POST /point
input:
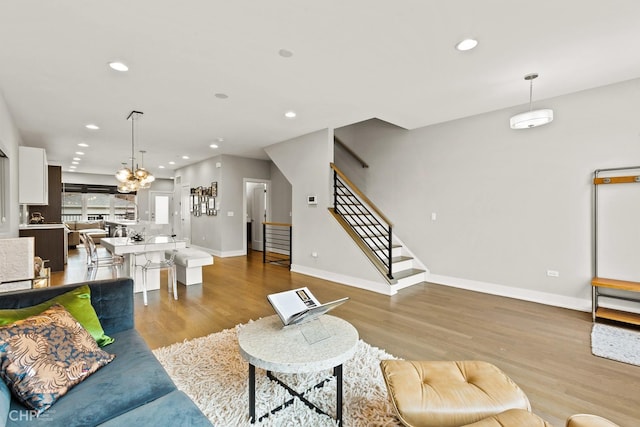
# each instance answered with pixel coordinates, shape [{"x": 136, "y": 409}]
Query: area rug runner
[
  {"x": 211, "y": 371},
  {"x": 615, "y": 343}
]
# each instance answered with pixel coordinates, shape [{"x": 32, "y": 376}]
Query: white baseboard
[
  {"x": 220, "y": 254},
  {"x": 381, "y": 288},
  {"x": 226, "y": 254},
  {"x": 511, "y": 292}
]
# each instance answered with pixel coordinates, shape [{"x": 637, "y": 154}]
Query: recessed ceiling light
[
  {"x": 118, "y": 66},
  {"x": 83, "y": 144},
  {"x": 72, "y": 167},
  {"x": 285, "y": 53},
  {"x": 92, "y": 126},
  {"x": 221, "y": 95},
  {"x": 185, "y": 157},
  {"x": 75, "y": 163},
  {"x": 290, "y": 114},
  {"x": 77, "y": 158},
  {"x": 79, "y": 153},
  {"x": 467, "y": 44},
  {"x": 213, "y": 146},
  {"x": 160, "y": 167},
  {"x": 172, "y": 163}
]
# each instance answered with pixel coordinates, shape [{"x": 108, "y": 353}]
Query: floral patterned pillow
[{"x": 42, "y": 357}]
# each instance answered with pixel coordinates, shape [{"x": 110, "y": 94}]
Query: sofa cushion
[
  {"x": 112, "y": 300},
  {"x": 5, "y": 401},
  {"x": 174, "y": 408},
  {"x": 44, "y": 356},
  {"x": 134, "y": 378},
  {"x": 77, "y": 302},
  {"x": 89, "y": 225}
]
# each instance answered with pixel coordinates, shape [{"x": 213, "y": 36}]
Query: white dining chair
[
  {"x": 163, "y": 263},
  {"x": 94, "y": 261}
]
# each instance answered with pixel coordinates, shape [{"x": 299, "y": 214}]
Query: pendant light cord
[
  {"x": 530, "y": 94},
  {"x": 132, "y": 141}
]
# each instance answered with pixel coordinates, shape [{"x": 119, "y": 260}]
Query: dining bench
[{"x": 189, "y": 263}]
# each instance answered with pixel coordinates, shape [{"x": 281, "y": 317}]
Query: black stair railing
[
  {"x": 276, "y": 243},
  {"x": 364, "y": 218}
]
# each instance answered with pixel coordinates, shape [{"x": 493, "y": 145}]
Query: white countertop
[{"x": 40, "y": 226}]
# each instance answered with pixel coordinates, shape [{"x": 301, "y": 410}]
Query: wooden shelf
[
  {"x": 623, "y": 285},
  {"x": 618, "y": 316}
]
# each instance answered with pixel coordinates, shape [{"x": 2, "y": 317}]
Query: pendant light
[
  {"x": 132, "y": 179},
  {"x": 531, "y": 118}
]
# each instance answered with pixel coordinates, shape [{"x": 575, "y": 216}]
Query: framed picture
[
  {"x": 196, "y": 205},
  {"x": 214, "y": 189},
  {"x": 211, "y": 206},
  {"x": 204, "y": 201}
]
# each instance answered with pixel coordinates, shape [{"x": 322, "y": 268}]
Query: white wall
[
  {"x": 280, "y": 196},
  {"x": 223, "y": 234},
  {"x": 9, "y": 142},
  {"x": 510, "y": 204}
]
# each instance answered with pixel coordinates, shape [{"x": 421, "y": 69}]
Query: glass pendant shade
[
  {"x": 123, "y": 174},
  {"x": 531, "y": 119},
  {"x": 141, "y": 174}
]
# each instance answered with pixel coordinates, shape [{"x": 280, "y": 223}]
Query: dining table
[{"x": 138, "y": 253}]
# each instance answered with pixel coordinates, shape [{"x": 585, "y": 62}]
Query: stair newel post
[
  {"x": 290, "y": 247},
  {"x": 264, "y": 243},
  {"x": 335, "y": 191},
  {"x": 389, "y": 248}
]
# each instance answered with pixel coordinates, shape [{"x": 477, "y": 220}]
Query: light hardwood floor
[{"x": 545, "y": 350}]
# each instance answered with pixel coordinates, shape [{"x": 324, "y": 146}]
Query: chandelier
[
  {"x": 133, "y": 179},
  {"x": 531, "y": 118}
]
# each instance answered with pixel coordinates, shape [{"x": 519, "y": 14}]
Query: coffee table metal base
[{"x": 337, "y": 373}]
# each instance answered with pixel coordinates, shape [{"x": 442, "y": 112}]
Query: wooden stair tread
[
  {"x": 407, "y": 273},
  {"x": 618, "y": 316},
  {"x": 400, "y": 259},
  {"x": 624, "y": 285}
]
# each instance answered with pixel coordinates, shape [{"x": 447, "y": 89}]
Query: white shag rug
[
  {"x": 211, "y": 371},
  {"x": 620, "y": 344}
]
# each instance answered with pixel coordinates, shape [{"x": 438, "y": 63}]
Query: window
[{"x": 96, "y": 202}]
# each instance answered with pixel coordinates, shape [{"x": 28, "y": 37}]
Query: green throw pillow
[{"x": 77, "y": 302}]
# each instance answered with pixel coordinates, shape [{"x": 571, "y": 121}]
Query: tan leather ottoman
[
  {"x": 449, "y": 394},
  {"x": 512, "y": 418},
  {"x": 588, "y": 420}
]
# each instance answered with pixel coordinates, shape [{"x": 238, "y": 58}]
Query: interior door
[
  {"x": 258, "y": 216},
  {"x": 160, "y": 212},
  {"x": 184, "y": 231}
]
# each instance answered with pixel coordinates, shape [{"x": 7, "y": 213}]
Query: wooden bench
[{"x": 189, "y": 263}]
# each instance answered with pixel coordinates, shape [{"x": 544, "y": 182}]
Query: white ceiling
[{"x": 353, "y": 60}]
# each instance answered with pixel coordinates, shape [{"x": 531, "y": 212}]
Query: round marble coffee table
[{"x": 324, "y": 343}]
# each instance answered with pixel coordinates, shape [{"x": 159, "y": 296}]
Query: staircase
[{"x": 372, "y": 232}]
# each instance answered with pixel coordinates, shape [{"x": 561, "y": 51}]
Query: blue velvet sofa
[{"x": 132, "y": 390}]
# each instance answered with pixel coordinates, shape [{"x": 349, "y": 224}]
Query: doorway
[
  {"x": 257, "y": 209},
  {"x": 183, "y": 225},
  {"x": 160, "y": 212}
]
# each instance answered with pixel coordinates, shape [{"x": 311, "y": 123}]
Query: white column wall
[{"x": 304, "y": 161}]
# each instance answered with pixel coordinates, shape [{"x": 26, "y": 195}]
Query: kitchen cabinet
[
  {"x": 50, "y": 243},
  {"x": 33, "y": 176}
]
